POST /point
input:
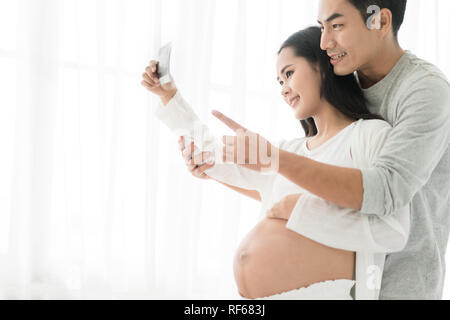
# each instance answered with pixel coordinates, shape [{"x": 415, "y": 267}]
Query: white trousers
[{"x": 328, "y": 290}]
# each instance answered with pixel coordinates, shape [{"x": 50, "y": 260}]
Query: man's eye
[{"x": 335, "y": 26}]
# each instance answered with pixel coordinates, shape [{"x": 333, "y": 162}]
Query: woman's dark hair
[{"x": 342, "y": 92}]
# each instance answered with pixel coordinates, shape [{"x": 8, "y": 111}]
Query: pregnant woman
[{"x": 273, "y": 262}]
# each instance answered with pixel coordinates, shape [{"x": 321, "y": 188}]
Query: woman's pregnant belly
[{"x": 273, "y": 259}]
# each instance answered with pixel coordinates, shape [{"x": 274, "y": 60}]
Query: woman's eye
[
  {"x": 287, "y": 77},
  {"x": 335, "y": 26}
]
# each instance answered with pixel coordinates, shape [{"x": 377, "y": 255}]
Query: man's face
[{"x": 346, "y": 37}]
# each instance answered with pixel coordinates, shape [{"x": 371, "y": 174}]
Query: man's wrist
[
  {"x": 282, "y": 160},
  {"x": 290, "y": 162}
]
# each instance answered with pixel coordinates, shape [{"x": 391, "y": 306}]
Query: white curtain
[{"x": 95, "y": 200}]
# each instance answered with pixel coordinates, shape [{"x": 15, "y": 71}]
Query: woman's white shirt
[{"x": 356, "y": 146}]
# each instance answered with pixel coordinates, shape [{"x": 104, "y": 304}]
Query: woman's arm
[
  {"x": 255, "y": 195},
  {"x": 199, "y": 171},
  {"x": 182, "y": 120}
]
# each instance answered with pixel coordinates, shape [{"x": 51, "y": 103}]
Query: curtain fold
[{"x": 95, "y": 199}]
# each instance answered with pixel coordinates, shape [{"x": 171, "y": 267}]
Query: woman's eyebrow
[{"x": 282, "y": 70}]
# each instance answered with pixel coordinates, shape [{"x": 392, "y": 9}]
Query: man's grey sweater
[{"x": 414, "y": 168}]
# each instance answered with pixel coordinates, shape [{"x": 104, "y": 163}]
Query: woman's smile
[{"x": 293, "y": 102}]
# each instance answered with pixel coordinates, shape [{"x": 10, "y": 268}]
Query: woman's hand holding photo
[{"x": 151, "y": 81}]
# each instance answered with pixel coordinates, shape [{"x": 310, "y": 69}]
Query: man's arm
[
  {"x": 347, "y": 229},
  {"x": 342, "y": 186},
  {"x": 411, "y": 153},
  {"x": 418, "y": 142}
]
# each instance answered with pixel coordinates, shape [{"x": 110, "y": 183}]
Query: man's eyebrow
[
  {"x": 332, "y": 17},
  {"x": 278, "y": 78}
]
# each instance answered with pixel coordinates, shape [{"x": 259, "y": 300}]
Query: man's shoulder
[
  {"x": 418, "y": 72},
  {"x": 420, "y": 83}
]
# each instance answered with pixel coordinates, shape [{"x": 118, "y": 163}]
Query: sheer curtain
[{"x": 95, "y": 200}]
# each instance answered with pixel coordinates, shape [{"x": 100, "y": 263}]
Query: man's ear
[{"x": 385, "y": 22}]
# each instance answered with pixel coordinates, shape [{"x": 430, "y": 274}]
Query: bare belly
[{"x": 272, "y": 259}]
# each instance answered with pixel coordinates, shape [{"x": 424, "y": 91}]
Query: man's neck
[{"x": 381, "y": 65}]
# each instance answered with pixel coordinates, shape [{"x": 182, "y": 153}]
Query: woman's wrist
[{"x": 166, "y": 99}]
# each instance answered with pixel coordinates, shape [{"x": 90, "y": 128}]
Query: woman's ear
[{"x": 316, "y": 66}]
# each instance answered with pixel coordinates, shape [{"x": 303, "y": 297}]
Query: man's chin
[{"x": 343, "y": 71}]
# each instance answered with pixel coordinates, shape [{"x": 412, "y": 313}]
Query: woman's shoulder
[
  {"x": 369, "y": 140},
  {"x": 372, "y": 125},
  {"x": 372, "y": 130},
  {"x": 292, "y": 144}
]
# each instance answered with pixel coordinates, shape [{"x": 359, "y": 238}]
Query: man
[
  {"x": 413, "y": 96},
  {"x": 414, "y": 165}
]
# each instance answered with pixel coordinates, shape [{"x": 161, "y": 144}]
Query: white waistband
[{"x": 328, "y": 290}]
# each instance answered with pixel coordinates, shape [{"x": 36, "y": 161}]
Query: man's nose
[{"x": 326, "y": 41}]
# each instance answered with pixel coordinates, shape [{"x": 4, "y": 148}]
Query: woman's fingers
[
  {"x": 196, "y": 164},
  {"x": 151, "y": 72},
  {"x": 149, "y": 82},
  {"x": 153, "y": 77},
  {"x": 200, "y": 171},
  {"x": 154, "y": 66},
  {"x": 181, "y": 144},
  {"x": 199, "y": 160},
  {"x": 191, "y": 166},
  {"x": 189, "y": 151},
  {"x": 187, "y": 155},
  {"x": 147, "y": 78},
  {"x": 190, "y": 148}
]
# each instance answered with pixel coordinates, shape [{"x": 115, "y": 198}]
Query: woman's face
[{"x": 300, "y": 84}]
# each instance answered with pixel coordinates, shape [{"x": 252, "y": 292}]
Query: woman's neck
[{"x": 329, "y": 122}]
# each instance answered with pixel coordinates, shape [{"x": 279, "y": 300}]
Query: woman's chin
[{"x": 299, "y": 115}]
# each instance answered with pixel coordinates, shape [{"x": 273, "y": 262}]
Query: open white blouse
[{"x": 356, "y": 146}]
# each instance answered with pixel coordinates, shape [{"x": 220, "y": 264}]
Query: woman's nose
[{"x": 285, "y": 91}]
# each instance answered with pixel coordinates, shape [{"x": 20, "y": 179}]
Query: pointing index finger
[{"x": 233, "y": 125}]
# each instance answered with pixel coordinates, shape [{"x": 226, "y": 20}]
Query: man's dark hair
[{"x": 397, "y": 7}]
